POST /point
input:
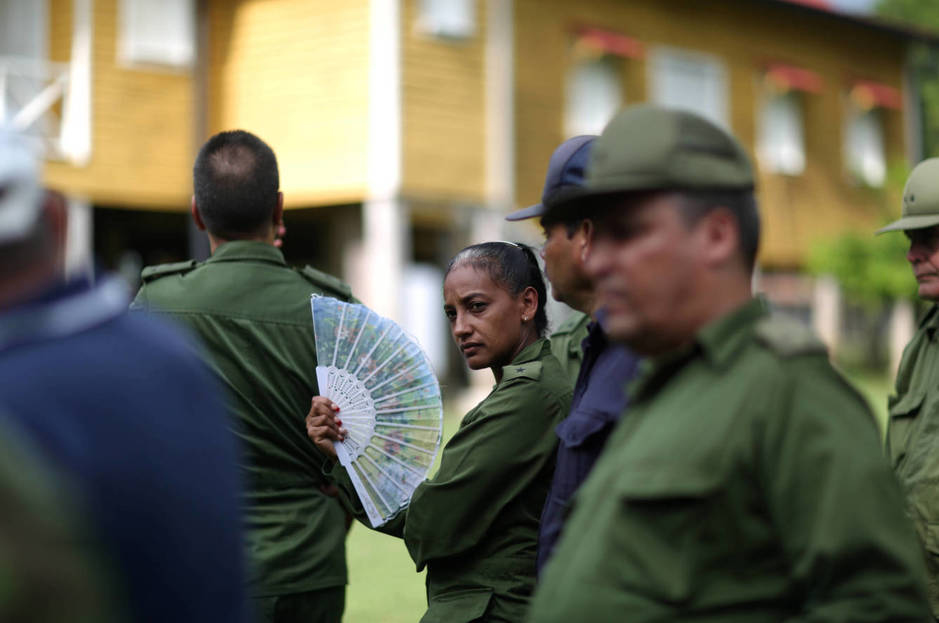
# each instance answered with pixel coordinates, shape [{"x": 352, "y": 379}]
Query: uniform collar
[
  {"x": 930, "y": 321},
  {"x": 534, "y": 351},
  {"x": 719, "y": 340},
  {"x": 716, "y": 343},
  {"x": 237, "y": 250}
]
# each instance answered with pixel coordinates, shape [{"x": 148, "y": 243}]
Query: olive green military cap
[
  {"x": 654, "y": 148},
  {"x": 920, "y": 199}
]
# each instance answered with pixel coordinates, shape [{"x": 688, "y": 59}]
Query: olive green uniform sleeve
[{"x": 838, "y": 508}]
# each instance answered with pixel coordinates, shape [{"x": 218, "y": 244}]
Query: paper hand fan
[{"x": 388, "y": 398}]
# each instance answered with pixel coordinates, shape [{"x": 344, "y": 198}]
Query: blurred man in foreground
[
  {"x": 122, "y": 407},
  {"x": 600, "y": 369},
  {"x": 253, "y": 315},
  {"x": 913, "y": 426},
  {"x": 747, "y": 481}
]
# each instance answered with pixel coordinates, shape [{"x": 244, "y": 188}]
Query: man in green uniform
[
  {"x": 253, "y": 315},
  {"x": 912, "y": 427},
  {"x": 747, "y": 482}
]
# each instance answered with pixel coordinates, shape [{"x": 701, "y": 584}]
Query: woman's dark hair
[{"x": 510, "y": 265}]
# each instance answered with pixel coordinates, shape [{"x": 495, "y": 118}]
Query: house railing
[{"x": 34, "y": 100}]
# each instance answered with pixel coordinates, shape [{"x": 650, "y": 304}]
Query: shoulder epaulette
[
  {"x": 150, "y": 273},
  {"x": 575, "y": 320},
  {"x": 787, "y": 337},
  {"x": 325, "y": 281},
  {"x": 528, "y": 370}
]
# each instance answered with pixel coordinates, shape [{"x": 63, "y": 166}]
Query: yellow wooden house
[{"x": 406, "y": 129}]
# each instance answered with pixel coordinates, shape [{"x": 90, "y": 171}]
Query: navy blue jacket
[
  {"x": 599, "y": 400},
  {"x": 124, "y": 408}
]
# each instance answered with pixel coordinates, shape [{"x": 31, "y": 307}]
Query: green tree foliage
[
  {"x": 870, "y": 269},
  {"x": 922, "y": 15}
]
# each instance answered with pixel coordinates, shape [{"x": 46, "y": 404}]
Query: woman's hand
[{"x": 323, "y": 425}]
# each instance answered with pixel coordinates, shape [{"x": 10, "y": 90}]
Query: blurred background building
[{"x": 406, "y": 129}]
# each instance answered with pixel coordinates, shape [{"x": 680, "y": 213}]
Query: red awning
[
  {"x": 792, "y": 78},
  {"x": 610, "y": 42},
  {"x": 870, "y": 94}
]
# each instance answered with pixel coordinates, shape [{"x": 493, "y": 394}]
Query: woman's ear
[{"x": 528, "y": 303}]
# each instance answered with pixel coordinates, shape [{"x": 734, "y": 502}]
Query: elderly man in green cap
[
  {"x": 747, "y": 483},
  {"x": 913, "y": 427}
]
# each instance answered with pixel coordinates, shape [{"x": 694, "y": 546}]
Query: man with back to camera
[
  {"x": 912, "y": 425},
  {"x": 122, "y": 408},
  {"x": 747, "y": 483},
  {"x": 601, "y": 369},
  {"x": 253, "y": 315}
]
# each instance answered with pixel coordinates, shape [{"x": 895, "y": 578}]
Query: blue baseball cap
[{"x": 566, "y": 175}]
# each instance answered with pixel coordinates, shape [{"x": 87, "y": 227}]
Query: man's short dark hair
[
  {"x": 235, "y": 182},
  {"x": 742, "y": 204}
]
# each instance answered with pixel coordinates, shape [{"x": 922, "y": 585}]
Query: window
[
  {"x": 781, "y": 141},
  {"x": 160, "y": 32},
  {"x": 864, "y": 144},
  {"x": 594, "y": 95},
  {"x": 450, "y": 19},
  {"x": 689, "y": 81}
]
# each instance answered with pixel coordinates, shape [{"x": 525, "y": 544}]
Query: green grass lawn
[{"x": 383, "y": 586}]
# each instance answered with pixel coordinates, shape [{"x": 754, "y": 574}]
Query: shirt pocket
[
  {"x": 903, "y": 412},
  {"x": 673, "y": 528},
  {"x": 461, "y": 606}
]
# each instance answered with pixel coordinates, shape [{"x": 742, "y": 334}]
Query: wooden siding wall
[
  {"x": 796, "y": 210},
  {"x": 142, "y": 123},
  {"x": 295, "y": 72},
  {"x": 444, "y": 114}
]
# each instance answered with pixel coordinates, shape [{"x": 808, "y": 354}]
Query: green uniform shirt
[
  {"x": 50, "y": 568},
  {"x": 252, "y": 313},
  {"x": 746, "y": 485},
  {"x": 912, "y": 438},
  {"x": 474, "y": 525},
  {"x": 566, "y": 343}
]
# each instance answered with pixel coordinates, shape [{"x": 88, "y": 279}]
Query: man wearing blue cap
[{"x": 600, "y": 369}]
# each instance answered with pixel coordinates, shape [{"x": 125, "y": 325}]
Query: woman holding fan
[{"x": 474, "y": 525}]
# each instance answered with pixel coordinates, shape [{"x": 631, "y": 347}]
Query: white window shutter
[
  {"x": 594, "y": 95},
  {"x": 158, "y": 32},
  {"x": 782, "y": 135},
  {"x": 690, "y": 81}
]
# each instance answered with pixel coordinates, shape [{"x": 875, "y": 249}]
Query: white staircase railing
[{"x": 34, "y": 100}]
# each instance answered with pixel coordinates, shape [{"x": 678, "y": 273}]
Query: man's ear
[
  {"x": 584, "y": 236},
  {"x": 196, "y": 217},
  {"x": 278, "y": 215},
  {"x": 721, "y": 236}
]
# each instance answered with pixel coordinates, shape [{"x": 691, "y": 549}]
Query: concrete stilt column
[
  {"x": 826, "y": 311},
  {"x": 384, "y": 240},
  {"x": 79, "y": 238},
  {"x": 902, "y": 327}
]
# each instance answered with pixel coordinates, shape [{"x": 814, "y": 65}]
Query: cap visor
[
  {"x": 911, "y": 222},
  {"x": 524, "y": 213}
]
